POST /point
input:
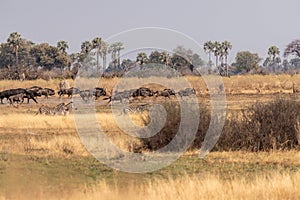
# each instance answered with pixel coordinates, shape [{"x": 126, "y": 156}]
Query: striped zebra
[
  {"x": 135, "y": 109},
  {"x": 60, "y": 109},
  {"x": 69, "y": 107}
]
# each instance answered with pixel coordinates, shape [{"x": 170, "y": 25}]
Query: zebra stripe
[
  {"x": 135, "y": 109},
  {"x": 60, "y": 109}
]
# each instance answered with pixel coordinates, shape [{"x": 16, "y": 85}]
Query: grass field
[{"x": 42, "y": 157}]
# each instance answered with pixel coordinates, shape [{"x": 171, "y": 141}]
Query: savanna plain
[{"x": 42, "y": 157}]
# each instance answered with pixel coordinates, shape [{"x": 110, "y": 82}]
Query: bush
[
  {"x": 169, "y": 131},
  {"x": 262, "y": 127}
]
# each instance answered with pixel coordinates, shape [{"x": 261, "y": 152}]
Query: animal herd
[{"x": 18, "y": 95}]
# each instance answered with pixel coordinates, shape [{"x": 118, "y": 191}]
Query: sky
[{"x": 249, "y": 25}]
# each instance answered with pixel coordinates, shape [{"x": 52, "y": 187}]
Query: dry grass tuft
[{"x": 271, "y": 186}]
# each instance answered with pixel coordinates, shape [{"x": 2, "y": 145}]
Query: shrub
[{"x": 263, "y": 127}]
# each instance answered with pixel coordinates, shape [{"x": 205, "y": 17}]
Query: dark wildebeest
[
  {"x": 143, "y": 92},
  {"x": 47, "y": 92},
  {"x": 186, "y": 92},
  {"x": 98, "y": 92},
  {"x": 18, "y": 98},
  {"x": 120, "y": 96},
  {"x": 29, "y": 94},
  {"x": 165, "y": 93},
  {"x": 35, "y": 88},
  {"x": 70, "y": 92},
  {"x": 86, "y": 95}
]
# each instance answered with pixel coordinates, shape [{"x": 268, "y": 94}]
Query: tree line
[{"x": 19, "y": 55}]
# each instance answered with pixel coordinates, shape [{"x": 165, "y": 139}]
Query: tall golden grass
[
  {"x": 271, "y": 186},
  {"x": 53, "y": 135}
]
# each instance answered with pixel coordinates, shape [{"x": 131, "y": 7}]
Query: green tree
[
  {"x": 8, "y": 58},
  {"x": 49, "y": 56},
  {"x": 96, "y": 44},
  {"x": 293, "y": 48},
  {"x": 62, "y": 46},
  {"x": 246, "y": 61},
  {"x": 154, "y": 57},
  {"x": 217, "y": 51},
  {"x": 142, "y": 58},
  {"x": 164, "y": 58},
  {"x": 208, "y": 47},
  {"x": 272, "y": 62},
  {"x": 86, "y": 47},
  {"x": 119, "y": 48},
  {"x": 112, "y": 49},
  {"x": 14, "y": 40},
  {"x": 103, "y": 53},
  {"x": 225, "y": 48},
  {"x": 273, "y": 51},
  {"x": 74, "y": 57}
]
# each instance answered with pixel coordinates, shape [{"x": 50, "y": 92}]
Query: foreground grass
[
  {"x": 226, "y": 175},
  {"x": 275, "y": 186}
]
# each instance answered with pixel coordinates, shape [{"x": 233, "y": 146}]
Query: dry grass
[
  {"x": 45, "y": 136},
  {"x": 55, "y": 135},
  {"x": 271, "y": 186},
  {"x": 246, "y": 84}
]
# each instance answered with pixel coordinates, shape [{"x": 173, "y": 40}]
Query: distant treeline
[{"x": 24, "y": 59}]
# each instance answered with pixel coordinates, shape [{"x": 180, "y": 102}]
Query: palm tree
[
  {"x": 217, "y": 51},
  {"x": 112, "y": 49},
  {"x": 96, "y": 44},
  {"x": 273, "y": 51},
  {"x": 62, "y": 46},
  {"x": 142, "y": 58},
  {"x": 14, "y": 40},
  {"x": 119, "y": 47},
  {"x": 165, "y": 58},
  {"x": 208, "y": 48},
  {"x": 225, "y": 47},
  {"x": 86, "y": 47},
  {"x": 103, "y": 53},
  {"x": 74, "y": 57}
]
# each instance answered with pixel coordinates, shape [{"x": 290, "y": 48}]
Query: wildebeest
[
  {"x": 186, "y": 92},
  {"x": 120, "y": 96},
  {"x": 86, "y": 95},
  {"x": 35, "y": 88},
  {"x": 70, "y": 92},
  {"x": 29, "y": 94},
  {"x": 143, "y": 92},
  {"x": 18, "y": 98},
  {"x": 47, "y": 92},
  {"x": 165, "y": 93},
  {"x": 98, "y": 92}
]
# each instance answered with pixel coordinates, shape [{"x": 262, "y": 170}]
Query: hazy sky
[{"x": 249, "y": 25}]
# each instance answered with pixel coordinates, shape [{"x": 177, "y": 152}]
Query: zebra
[
  {"x": 60, "y": 109},
  {"x": 69, "y": 107},
  {"x": 135, "y": 109}
]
